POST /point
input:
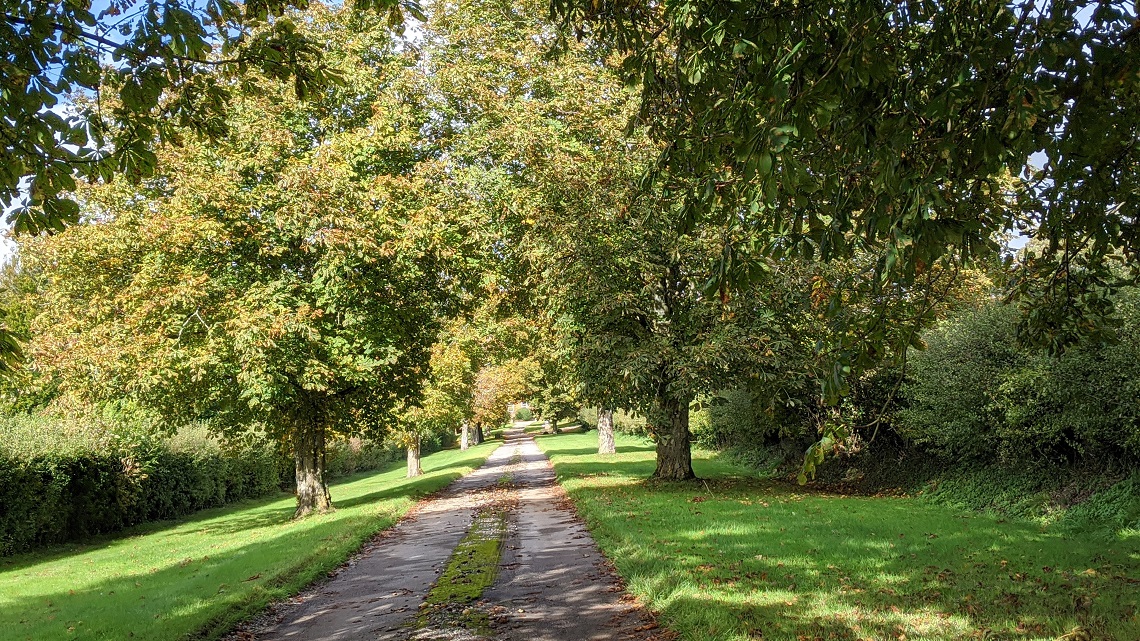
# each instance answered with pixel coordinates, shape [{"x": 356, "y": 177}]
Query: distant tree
[
  {"x": 606, "y": 443},
  {"x": 496, "y": 387},
  {"x": 446, "y": 405},
  {"x": 555, "y": 386}
]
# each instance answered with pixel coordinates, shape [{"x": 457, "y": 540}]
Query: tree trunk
[
  {"x": 465, "y": 439},
  {"x": 606, "y": 431},
  {"x": 309, "y": 458},
  {"x": 414, "y": 467},
  {"x": 478, "y": 433},
  {"x": 671, "y": 426}
]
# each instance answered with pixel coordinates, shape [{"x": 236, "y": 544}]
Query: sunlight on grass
[
  {"x": 732, "y": 557},
  {"x": 204, "y": 573}
]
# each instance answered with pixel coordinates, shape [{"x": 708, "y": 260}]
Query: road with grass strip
[{"x": 499, "y": 555}]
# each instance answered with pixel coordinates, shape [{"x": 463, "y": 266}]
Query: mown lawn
[
  {"x": 734, "y": 557},
  {"x": 197, "y": 577}
]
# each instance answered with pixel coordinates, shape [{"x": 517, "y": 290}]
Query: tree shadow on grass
[
  {"x": 166, "y": 527},
  {"x": 570, "y": 445},
  {"x": 741, "y": 558},
  {"x": 203, "y": 595},
  {"x": 262, "y": 517},
  {"x": 414, "y": 488}
]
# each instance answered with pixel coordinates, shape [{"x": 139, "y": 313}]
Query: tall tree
[
  {"x": 290, "y": 278},
  {"x": 649, "y": 336}
]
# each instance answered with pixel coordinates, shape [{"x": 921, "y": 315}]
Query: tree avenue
[{"x": 464, "y": 221}]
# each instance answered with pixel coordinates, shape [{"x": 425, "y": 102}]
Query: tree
[
  {"x": 830, "y": 129},
  {"x": 496, "y": 387},
  {"x": 270, "y": 281},
  {"x": 648, "y": 336},
  {"x": 606, "y": 431},
  {"x": 89, "y": 96},
  {"x": 555, "y": 386},
  {"x": 305, "y": 320},
  {"x": 447, "y": 399}
]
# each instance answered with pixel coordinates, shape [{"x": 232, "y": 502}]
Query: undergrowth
[{"x": 1104, "y": 497}]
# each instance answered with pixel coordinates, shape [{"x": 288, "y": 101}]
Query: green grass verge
[
  {"x": 197, "y": 577},
  {"x": 734, "y": 557}
]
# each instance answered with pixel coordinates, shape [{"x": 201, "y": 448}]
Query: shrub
[
  {"x": 951, "y": 394},
  {"x": 976, "y": 395},
  {"x": 731, "y": 419},
  {"x": 624, "y": 422}
]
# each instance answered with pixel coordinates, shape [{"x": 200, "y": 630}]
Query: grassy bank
[
  {"x": 734, "y": 557},
  {"x": 197, "y": 577}
]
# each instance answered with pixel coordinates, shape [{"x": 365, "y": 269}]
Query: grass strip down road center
[
  {"x": 734, "y": 557},
  {"x": 199, "y": 576}
]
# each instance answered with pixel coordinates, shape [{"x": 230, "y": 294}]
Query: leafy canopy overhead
[
  {"x": 87, "y": 93},
  {"x": 894, "y": 127}
]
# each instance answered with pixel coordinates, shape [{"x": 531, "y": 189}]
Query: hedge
[{"x": 59, "y": 497}]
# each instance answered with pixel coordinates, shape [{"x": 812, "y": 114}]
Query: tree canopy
[
  {"x": 88, "y": 94},
  {"x": 895, "y": 127}
]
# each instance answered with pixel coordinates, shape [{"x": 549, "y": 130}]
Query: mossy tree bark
[
  {"x": 674, "y": 450},
  {"x": 309, "y": 459},
  {"x": 606, "y": 431},
  {"x": 414, "y": 466}
]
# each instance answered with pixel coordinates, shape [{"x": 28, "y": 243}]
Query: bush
[
  {"x": 624, "y": 422},
  {"x": 951, "y": 391},
  {"x": 731, "y": 419},
  {"x": 60, "y": 481},
  {"x": 975, "y": 395},
  {"x": 523, "y": 413}
]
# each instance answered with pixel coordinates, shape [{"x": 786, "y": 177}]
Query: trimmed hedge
[{"x": 55, "y": 498}]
